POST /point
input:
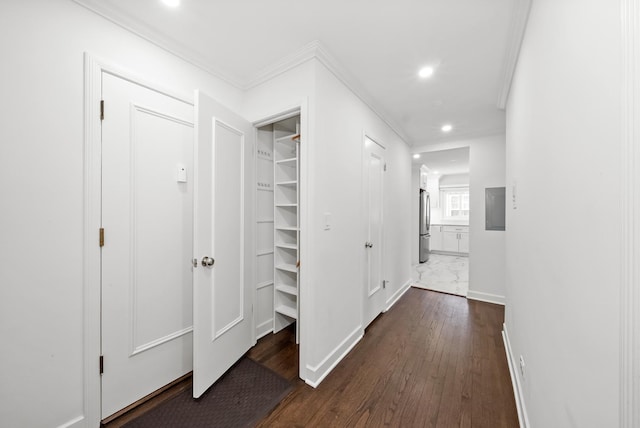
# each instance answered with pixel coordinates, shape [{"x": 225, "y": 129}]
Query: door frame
[
  {"x": 305, "y": 292},
  {"x": 366, "y": 135},
  {"x": 92, "y": 213}
]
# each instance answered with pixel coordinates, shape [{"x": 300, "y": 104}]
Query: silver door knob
[
  {"x": 207, "y": 261},
  {"x": 368, "y": 245}
]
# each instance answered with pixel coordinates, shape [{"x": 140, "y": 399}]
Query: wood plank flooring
[{"x": 433, "y": 360}]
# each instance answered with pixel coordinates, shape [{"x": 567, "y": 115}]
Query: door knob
[
  {"x": 207, "y": 261},
  {"x": 368, "y": 245}
]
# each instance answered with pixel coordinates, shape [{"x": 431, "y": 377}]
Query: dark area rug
[{"x": 241, "y": 398}]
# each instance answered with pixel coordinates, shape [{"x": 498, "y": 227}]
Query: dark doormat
[{"x": 241, "y": 398}]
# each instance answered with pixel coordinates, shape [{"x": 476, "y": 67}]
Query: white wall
[
  {"x": 454, "y": 180},
  {"x": 342, "y": 118},
  {"x": 486, "y": 248},
  {"x": 41, "y": 171},
  {"x": 562, "y": 241},
  {"x": 333, "y": 269}
]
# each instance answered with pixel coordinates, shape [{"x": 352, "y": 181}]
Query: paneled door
[
  {"x": 373, "y": 192},
  {"x": 147, "y": 217},
  {"x": 223, "y": 241}
]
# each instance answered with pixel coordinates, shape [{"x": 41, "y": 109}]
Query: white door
[
  {"x": 373, "y": 171},
  {"x": 223, "y": 242},
  {"x": 147, "y": 216}
]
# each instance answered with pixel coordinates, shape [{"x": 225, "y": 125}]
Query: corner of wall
[
  {"x": 316, "y": 374},
  {"x": 397, "y": 295},
  {"x": 523, "y": 418}
]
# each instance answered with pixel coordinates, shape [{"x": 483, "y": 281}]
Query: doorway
[
  {"x": 278, "y": 223},
  {"x": 444, "y": 176}
]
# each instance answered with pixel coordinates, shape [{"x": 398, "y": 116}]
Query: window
[{"x": 455, "y": 205}]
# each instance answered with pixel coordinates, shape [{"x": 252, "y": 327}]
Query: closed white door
[
  {"x": 373, "y": 180},
  {"x": 147, "y": 216},
  {"x": 223, "y": 241}
]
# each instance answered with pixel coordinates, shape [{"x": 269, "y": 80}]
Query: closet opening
[{"x": 278, "y": 235}]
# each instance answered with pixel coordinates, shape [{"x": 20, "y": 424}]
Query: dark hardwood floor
[{"x": 433, "y": 360}]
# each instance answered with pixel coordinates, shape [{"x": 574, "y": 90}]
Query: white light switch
[
  {"x": 181, "y": 175},
  {"x": 327, "y": 221}
]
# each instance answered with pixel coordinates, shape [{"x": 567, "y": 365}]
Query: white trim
[
  {"x": 111, "y": 14},
  {"x": 91, "y": 252},
  {"x": 354, "y": 85},
  {"x": 285, "y": 64},
  {"x": 523, "y": 418},
  {"x": 73, "y": 423},
  {"x": 264, "y": 328},
  {"x": 630, "y": 232},
  {"x": 486, "y": 297},
  {"x": 315, "y": 50},
  {"x": 398, "y": 294},
  {"x": 515, "y": 37},
  {"x": 305, "y": 292},
  {"x": 316, "y": 374}
]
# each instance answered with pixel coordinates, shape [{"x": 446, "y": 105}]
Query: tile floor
[{"x": 447, "y": 274}]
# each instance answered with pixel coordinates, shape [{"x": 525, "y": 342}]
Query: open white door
[{"x": 222, "y": 297}]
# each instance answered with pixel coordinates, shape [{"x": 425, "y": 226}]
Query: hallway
[{"x": 432, "y": 360}]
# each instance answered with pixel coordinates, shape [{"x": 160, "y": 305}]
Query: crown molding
[
  {"x": 515, "y": 37},
  {"x": 630, "y": 230},
  {"x": 316, "y": 50},
  {"x": 123, "y": 20},
  {"x": 289, "y": 62},
  {"x": 313, "y": 50},
  {"x": 353, "y": 84}
]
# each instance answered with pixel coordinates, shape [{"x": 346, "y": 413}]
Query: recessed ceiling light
[
  {"x": 435, "y": 172},
  {"x": 426, "y": 72},
  {"x": 171, "y": 3},
  {"x": 447, "y": 127},
  {"x": 416, "y": 156}
]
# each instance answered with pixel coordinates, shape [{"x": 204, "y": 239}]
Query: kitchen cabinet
[
  {"x": 436, "y": 238},
  {"x": 423, "y": 178},
  {"x": 455, "y": 239}
]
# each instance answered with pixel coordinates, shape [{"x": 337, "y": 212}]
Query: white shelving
[{"x": 286, "y": 225}]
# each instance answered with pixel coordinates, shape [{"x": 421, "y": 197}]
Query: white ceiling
[
  {"x": 380, "y": 43},
  {"x": 445, "y": 162}
]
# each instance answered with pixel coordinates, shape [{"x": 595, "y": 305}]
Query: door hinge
[
  {"x": 102, "y": 236},
  {"x": 385, "y": 166},
  {"x": 384, "y": 283},
  {"x": 101, "y": 364},
  {"x": 101, "y": 109}
]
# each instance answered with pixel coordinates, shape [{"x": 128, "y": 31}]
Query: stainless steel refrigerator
[{"x": 425, "y": 225}]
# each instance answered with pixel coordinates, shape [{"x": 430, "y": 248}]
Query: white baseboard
[
  {"x": 398, "y": 294},
  {"x": 264, "y": 328},
  {"x": 74, "y": 423},
  {"x": 316, "y": 374},
  {"x": 523, "y": 418},
  {"x": 486, "y": 297}
]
